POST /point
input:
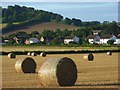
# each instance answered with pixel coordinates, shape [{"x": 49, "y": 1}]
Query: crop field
[
  {"x": 101, "y": 72},
  {"x": 53, "y": 48}
]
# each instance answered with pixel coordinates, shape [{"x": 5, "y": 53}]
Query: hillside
[
  {"x": 41, "y": 27},
  {"x": 21, "y": 18}
]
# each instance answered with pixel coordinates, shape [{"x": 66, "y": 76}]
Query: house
[
  {"x": 6, "y": 40},
  {"x": 117, "y": 40},
  {"x": 45, "y": 40},
  {"x": 105, "y": 38},
  {"x": 33, "y": 40},
  {"x": 68, "y": 39},
  {"x": 96, "y": 32},
  {"x": 27, "y": 41},
  {"x": 16, "y": 39},
  {"x": 94, "y": 39}
]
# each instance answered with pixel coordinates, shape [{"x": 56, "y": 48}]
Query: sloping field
[
  {"x": 100, "y": 73},
  {"x": 40, "y": 27}
]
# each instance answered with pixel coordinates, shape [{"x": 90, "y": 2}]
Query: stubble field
[{"x": 102, "y": 72}]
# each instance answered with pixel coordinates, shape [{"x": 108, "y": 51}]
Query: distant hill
[
  {"x": 41, "y": 27},
  {"x": 21, "y": 18}
]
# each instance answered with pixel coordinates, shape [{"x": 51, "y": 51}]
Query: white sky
[{"x": 59, "y": 0}]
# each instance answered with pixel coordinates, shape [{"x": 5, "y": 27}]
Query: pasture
[{"x": 102, "y": 72}]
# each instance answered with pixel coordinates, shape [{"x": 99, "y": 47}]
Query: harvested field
[
  {"x": 51, "y": 48},
  {"x": 100, "y": 73}
]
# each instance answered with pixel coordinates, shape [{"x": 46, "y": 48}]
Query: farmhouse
[
  {"x": 94, "y": 39},
  {"x": 16, "y": 39},
  {"x": 45, "y": 40},
  {"x": 96, "y": 32},
  {"x": 117, "y": 40},
  {"x": 69, "y": 39},
  {"x": 42, "y": 39},
  {"x": 104, "y": 39},
  {"x": 34, "y": 40},
  {"x": 27, "y": 41}
]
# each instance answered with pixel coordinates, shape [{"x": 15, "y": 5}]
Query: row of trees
[
  {"x": 20, "y": 14},
  {"x": 53, "y": 35},
  {"x": 81, "y": 33}
]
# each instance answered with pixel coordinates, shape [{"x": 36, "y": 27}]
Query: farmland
[
  {"x": 43, "y": 26},
  {"x": 102, "y": 72},
  {"x": 3, "y": 25},
  {"x": 53, "y": 48}
]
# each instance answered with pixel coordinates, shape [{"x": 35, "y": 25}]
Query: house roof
[
  {"x": 31, "y": 39},
  {"x": 102, "y": 37},
  {"x": 118, "y": 36},
  {"x": 48, "y": 38},
  {"x": 91, "y": 36},
  {"x": 70, "y": 37},
  {"x": 96, "y": 31},
  {"x": 106, "y": 36}
]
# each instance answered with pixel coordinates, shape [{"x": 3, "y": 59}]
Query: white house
[
  {"x": 96, "y": 32},
  {"x": 103, "y": 40},
  {"x": 74, "y": 39},
  {"x": 94, "y": 39},
  {"x": 34, "y": 40},
  {"x": 117, "y": 41}
]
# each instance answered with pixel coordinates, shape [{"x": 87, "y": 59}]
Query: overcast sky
[{"x": 86, "y": 11}]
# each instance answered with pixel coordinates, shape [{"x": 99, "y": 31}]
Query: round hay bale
[
  {"x": 89, "y": 57},
  {"x": 25, "y": 65},
  {"x": 58, "y": 72},
  {"x": 43, "y": 54},
  {"x": 11, "y": 55},
  {"x": 109, "y": 53},
  {"x": 29, "y": 53},
  {"x": 33, "y": 54}
]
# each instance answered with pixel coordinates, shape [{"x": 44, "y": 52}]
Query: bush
[{"x": 110, "y": 42}]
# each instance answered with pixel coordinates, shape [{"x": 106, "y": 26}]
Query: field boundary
[{"x": 60, "y": 52}]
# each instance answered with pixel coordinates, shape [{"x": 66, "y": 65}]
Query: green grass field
[{"x": 3, "y": 25}]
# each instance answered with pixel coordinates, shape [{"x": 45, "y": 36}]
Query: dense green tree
[
  {"x": 111, "y": 28},
  {"x": 58, "y": 18},
  {"x": 110, "y": 42},
  {"x": 56, "y": 41},
  {"x": 9, "y": 24},
  {"x": 83, "y": 32},
  {"x": 67, "y": 21},
  {"x": 66, "y": 33},
  {"x": 15, "y": 16},
  {"x": 58, "y": 32},
  {"x": 76, "y": 22},
  {"x": 48, "y": 33}
]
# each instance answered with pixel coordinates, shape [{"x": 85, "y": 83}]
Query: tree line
[
  {"x": 30, "y": 16},
  {"x": 55, "y": 36}
]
